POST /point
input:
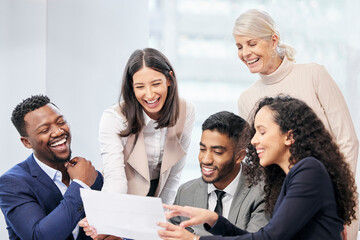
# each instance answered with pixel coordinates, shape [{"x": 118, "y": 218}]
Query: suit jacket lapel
[
  {"x": 137, "y": 156},
  {"x": 173, "y": 151},
  {"x": 44, "y": 179},
  {"x": 241, "y": 191},
  {"x": 201, "y": 196}
]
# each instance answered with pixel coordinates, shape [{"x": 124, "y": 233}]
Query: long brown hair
[{"x": 130, "y": 106}]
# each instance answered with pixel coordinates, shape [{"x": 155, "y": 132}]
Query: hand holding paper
[{"x": 123, "y": 215}]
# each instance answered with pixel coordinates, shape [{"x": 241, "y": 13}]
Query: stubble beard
[{"x": 222, "y": 174}]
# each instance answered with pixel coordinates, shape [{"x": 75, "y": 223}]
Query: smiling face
[
  {"x": 272, "y": 146},
  {"x": 258, "y": 54},
  {"x": 216, "y": 157},
  {"x": 48, "y": 134},
  {"x": 150, "y": 88}
]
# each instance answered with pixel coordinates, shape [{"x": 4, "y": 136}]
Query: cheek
[
  {"x": 137, "y": 94},
  {"x": 164, "y": 91},
  {"x": 240, "y": 55},
  {"x": 200, "y": 156}
]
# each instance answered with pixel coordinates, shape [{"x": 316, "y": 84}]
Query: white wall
[{"x": 75, "y": 52}]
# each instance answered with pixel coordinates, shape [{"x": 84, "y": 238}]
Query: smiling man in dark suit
[
  {"x": 40, "y": 197},
  {"x": 223, "y": 144}
]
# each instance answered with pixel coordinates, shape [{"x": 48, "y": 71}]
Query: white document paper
[{"x": 123, "y": 215}]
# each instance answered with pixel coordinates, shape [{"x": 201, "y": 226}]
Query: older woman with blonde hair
[{"x": 260, "y": 48}]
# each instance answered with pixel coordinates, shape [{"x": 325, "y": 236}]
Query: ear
[
  {"x": 240, "y": 156},
  {"x": 26, "y": 142},
  {"x": 168, "y": 82},
  {"x": 289, "y": 139},
  {"x": 274, "y": 40}
]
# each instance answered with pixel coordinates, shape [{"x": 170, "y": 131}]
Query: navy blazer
[
  {"x": 305, "y": 209},
  {"x": 34, "y": 207}
]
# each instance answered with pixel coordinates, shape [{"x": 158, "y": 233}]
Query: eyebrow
[
  {"x": 150, "y": 82},
  {"x": 259, "y": 126},
  {"x": 214, "y": 147},
  {"x": 47, "y": 124},
  {"x": 238, "y": 44}
]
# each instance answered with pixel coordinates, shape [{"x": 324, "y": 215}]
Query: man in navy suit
[{"x": 40, "y": 197}]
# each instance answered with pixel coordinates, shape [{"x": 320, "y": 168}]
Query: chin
[
  {"x": 209, "y": 180},
  {"x": 63, "y": 159}
]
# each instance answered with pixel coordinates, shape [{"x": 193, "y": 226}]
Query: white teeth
[
  {"x": 150, "y": 102},
  {"x": 260, "y": 151},
  {"x": 207, "y": 169},
  {"x": 58, "y": 143},
  {"x": 252, "y": 61}
]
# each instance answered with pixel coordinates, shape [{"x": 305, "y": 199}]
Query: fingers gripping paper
[{"x": 123, "y": 215}]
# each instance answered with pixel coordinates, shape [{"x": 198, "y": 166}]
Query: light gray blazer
[{"x": 247, "y": 209}]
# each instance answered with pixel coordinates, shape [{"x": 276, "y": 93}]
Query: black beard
[
  {"x": 228, "y": 168},
  {"x": 62, "y": 160}
]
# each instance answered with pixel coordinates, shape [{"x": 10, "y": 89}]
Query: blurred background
[{"x": 75, "y": 52}]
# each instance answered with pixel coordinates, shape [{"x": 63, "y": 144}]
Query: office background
[{"x": 75, "y": 52}]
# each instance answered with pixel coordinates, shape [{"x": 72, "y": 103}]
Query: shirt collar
[
  {"x": 51, "y": 172},
  {"x": 150, "y": 123},
  {"x": 231, "y": 188},
  {"x": 147, "y": 119}
]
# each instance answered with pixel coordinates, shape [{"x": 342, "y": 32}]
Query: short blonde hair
[{"x": 259, "y": 24}]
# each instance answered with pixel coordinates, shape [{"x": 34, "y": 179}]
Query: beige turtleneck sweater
[{"x": 312, "y": 84}]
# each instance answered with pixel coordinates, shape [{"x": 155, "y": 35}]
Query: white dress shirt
[
  {"x": 112, "y": 147},
  {"x": 228, "y": 197},
  {"x": 56, "y": 176}
]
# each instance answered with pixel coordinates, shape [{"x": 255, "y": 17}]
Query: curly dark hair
[
  {"x": 310, "y": 139},
  {"x": 27, "y": 105}
]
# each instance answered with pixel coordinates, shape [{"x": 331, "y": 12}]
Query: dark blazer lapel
[
  {"x": 45, "y": 180},
  {"x": 241, "y": 191}
]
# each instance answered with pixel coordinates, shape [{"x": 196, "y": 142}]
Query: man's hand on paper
[{"x": 91, "y": 231}]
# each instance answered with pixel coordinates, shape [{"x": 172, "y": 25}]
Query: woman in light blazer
[{"x": 145, "y": 136}]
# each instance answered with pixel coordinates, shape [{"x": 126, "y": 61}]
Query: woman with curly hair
[{"x": 310, "y": 189}]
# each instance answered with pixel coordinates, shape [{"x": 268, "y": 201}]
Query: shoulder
[
  {"x": 309, "y": 67},
  {"x": 192, "y": 184},
  {"x": 20, "y": 169},
  {"x": 309, "y": 169},
  {"x": 309, "y": 162},
  {"x": 112, "y": 117},
  {"x": 255, "y": 190},
  {"x": 114, "y": 111},
  {"x": 187, "y": 106},
  {"x": 18, "y": 176},
  {"x": 250, "y": 90}
]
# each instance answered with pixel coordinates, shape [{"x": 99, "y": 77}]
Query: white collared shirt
[
  {"x": 112, "y": 151},
  {"x": 154, "y": 140},
  {"x": 228, "y": 197},
  {"x": 56, "y": 176}
]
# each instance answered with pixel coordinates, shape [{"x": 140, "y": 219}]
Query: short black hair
[
  {"x": 235, "y": 127},
  {"x": 27, "y": 105}
]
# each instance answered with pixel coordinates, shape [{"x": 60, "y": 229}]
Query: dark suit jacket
[
  {"x": 305, "y": 210},
  {"x": 34, "y": 207},
  {"x": 247, "y": 210}
]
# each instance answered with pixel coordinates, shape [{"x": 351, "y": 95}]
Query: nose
[
  {"x": 245, "y": 51},
  {"x": 149, "y": 93},
  {"x": 57, "y": 131},
  {"x": 206, "y": 158},
  {"x": 254, "y": 140}
]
